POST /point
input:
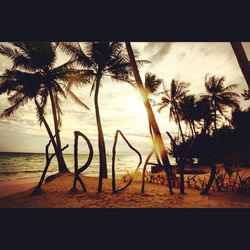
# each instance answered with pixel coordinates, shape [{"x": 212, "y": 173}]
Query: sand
[
  {"x": 56, "y": 195},
  {"x": 12, "y": 187}
]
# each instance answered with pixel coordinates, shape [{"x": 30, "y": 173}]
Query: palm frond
[
  {"x": 41, "y": 54},
  {"x": 152, "y": 83},
  {"x": 19, "y": 102},
  {"x": 142, "y": 62},
  {"x": 230, "y": 87},
  {"x": 57, "y": 89},
  {"x": 162, "y": 107},
  {"x": 76, "y": 77},
  {"x": 76, "y": 99},
  {"x": 74, "y": 50},
  {"x": 8, "y": 52},
  {"x": 92, "y": 88},
  {"x": 40, "y": 112}
]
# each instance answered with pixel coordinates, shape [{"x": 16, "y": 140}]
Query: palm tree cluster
[
  {"x": 202, "y": 113},
  {"x": 35, "y": 76}
]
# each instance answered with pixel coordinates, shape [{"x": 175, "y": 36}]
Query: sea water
[{"x": 28, "y": 166}]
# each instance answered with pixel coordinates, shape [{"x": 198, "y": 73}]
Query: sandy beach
[
  {"x": 56, "y": 195},
  {"x": 12, "y": 187}
]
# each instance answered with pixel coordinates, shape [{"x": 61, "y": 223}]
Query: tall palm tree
[
  {"x": 34, "y": 76},
  {"x": 172, "y": 98},
  {"x": 103, "y": 59},
  {"x": 155, "y": 133},
  {"x": 220, "y": 97}
]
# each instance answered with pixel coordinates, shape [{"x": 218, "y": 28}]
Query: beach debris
[{"x": 223, "y": 182}]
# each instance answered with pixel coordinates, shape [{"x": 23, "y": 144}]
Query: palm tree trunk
[
  {"x": 61, "y": 163},
  {"x": 48, "y": 131},
  {"x": 159, "y": 144},
  {"x": 179, "y": 123},
  {"x": 215, "y": 124},
  {"x": 242, "y": 60},
  {"x": 211, "y": 180},
  {"x": 182, "y": 162},
  {"x": 191, "y": 128},
  {"x": 103, "y": 172},
  {"x": 193, "y": 125}
]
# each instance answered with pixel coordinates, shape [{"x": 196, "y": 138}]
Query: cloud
[
  {"x": 119, "y": 103},
  {"x": 158, "y": 49}
]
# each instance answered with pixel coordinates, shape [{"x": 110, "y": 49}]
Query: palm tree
[
  {"x": 34, "y": 76},
  {"x": 152, "y": 83},
  {"x": 158, "y": 144},
  {"x": 204, "y": 115},
  {"x": 188, "y": 112},
  {"x": 172, "y": 98},
  {"x": 220, "y": 97},
  {"x": 103, "y": 59}
]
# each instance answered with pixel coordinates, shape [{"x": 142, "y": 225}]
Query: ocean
[{"x": 29, "y": 166}]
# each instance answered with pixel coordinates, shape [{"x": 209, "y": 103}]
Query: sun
[{"x": 134, "y": 107}]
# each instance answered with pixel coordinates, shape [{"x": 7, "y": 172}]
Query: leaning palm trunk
[
  {"x": 47, "y": 127},
  {"x": 211, "y": 179},
  {"x": 156, "y": 137},
  {"x": 61, "y": 163},
  {"x": 49, "y": 133},
  {"x": 103, "y": 173},
  {"x": 242, "y": 60}
]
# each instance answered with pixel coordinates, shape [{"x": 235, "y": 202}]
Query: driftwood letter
[{"x": 85, "y": 166}]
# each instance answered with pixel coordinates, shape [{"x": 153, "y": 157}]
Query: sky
[{"x": 120, "y": 104}]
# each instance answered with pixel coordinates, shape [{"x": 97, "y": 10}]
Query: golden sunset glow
[
  {"x": 83, "y": 121},
  {"x": 120, "y": 104}
]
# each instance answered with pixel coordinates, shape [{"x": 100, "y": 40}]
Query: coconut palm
[
  {"x": 158, "y": 144},
  {"x": 220, "y": 97},
  {"x": 34, "y": 76},
  {"x": 188, "y": 112},
  {"x": 204, "y": 115},
  {"x": 172, "y": 98},
  {"x": 104, "y": 59},
  {"x": 152, "y": 83}
]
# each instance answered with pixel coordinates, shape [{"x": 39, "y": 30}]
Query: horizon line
[{"x": 45, "y": 153}]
